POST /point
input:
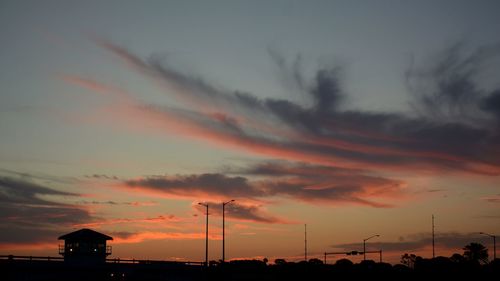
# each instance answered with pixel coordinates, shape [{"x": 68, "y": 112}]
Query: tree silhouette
[
  {"x": 315, "y": 261},
  {"x": 457, "y": 258},
  {"x": 476, "y": 252},
  {"x": 279, "y": 261},
  {"x": 409, "y": 260}
]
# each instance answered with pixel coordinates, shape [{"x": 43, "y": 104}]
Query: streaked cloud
[
  {"x": 137, "y": 237},
  {"x": 327, "y": 133}
]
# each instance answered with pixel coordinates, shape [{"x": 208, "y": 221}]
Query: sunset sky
[{"x": 354, "y": 117}]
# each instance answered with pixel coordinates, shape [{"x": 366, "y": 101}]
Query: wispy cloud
[
  {"x": 21, "y": 204},
  {"x": 325, "y": 133},
  {"x": 337, "y": 154}
]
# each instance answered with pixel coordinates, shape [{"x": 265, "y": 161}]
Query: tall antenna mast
[
  {"x": 305, "y": 242},
  {"x": 433, "y": 251}
]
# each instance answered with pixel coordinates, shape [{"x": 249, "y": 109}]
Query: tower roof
[{"x": 85, "y": 234}]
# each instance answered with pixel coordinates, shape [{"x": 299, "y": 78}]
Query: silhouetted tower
[{"x": 85, "y": 246}]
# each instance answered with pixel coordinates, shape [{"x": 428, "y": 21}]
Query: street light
[
  {"x": 494, "y": 243},
  {"x": 364, "y": 245},
  {"x": 223, "y": 230},
  {"x": 206, "y": 235}
]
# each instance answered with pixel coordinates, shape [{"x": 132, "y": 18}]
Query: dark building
[{"x": 85, "y": 246}]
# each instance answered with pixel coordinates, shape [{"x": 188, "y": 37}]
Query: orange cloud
[
  {"x": 153, "y": 220},
  {"x": 144, "y": 236},
  {"x": 28, "y": 246}
]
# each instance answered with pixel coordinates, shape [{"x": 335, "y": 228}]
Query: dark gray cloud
[
  {"x": 455, "y": 131},
  {"x": 42, "y": 215},
  {"x": 25, "y": 192},
  {"x": 27, "y": 235},
  {"x": 310, "y": 183},
  {"x": 27, "y": 215},
  {"x": 102, "y": 176},
  {"x": 491, "y": 104},
  {"x": 39, "y": 177},
  {"x": 210, "y": 184},
  {"x": 415, "y": 242},
  {"x": 111, "y": 202}
]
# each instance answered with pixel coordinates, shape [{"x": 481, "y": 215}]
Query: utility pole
[
  {"x": 305, "y": 242},
  {"x": 223, "y": 230},
  {"x": 433, "y": 250},
  {"x": 206, "y": 235}
]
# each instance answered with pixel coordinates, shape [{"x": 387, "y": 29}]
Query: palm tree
[{"x": 476, "y": 252}]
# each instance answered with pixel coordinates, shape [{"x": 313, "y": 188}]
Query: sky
[{"x": 356, "y": 118}]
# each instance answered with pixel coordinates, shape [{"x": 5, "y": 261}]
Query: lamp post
[
  {"x": 206, "y": 235},
  {"x": 494, "y": 243},
  {"x": 364, "y": 245},
  {"x": 223, "y": 229}
]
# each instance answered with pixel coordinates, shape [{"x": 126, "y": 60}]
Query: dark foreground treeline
[
  {"x": 440, "y": 267},
  {"x": 344, "y": 270}
]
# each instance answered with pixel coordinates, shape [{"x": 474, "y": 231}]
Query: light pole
[
  {"x": 494, "y": 243},
  {"x": 206, "y": 235},
  {"x": 364, "y": 245},
  {"x": 223, "y": 229}
]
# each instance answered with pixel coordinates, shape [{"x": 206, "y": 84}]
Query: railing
[
  {"x": 114, "y": 260},
  {"x": 134, "y": 261},
  {"x": 30, "y": 258}
]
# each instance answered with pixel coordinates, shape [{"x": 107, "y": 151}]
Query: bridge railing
[{"x": 112, "y": 260}]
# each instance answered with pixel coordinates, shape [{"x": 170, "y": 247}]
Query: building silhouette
[{"x": 85, "y": 246}]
